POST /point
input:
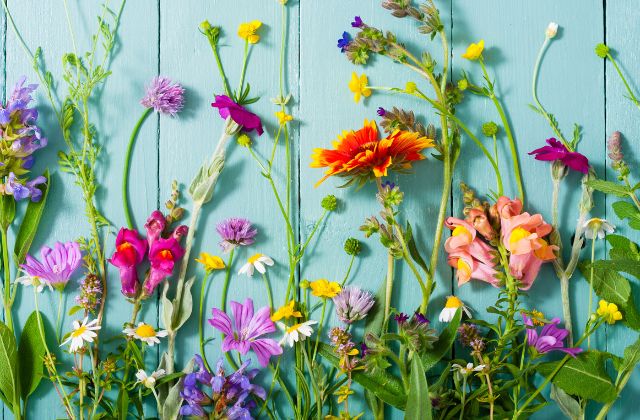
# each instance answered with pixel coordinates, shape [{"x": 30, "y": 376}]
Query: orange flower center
[
  {"x": 165, "y": 254},
  {"x": 145, "y": 331}
]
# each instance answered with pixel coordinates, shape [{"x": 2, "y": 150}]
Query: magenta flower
[
  {"x": 130, "y": 251},
  {"x": 246, "y": 329},
  {"x": 163, "y": 255},
  {"x": 558, "y": 151},
  {"x": 239, "y": 114},
  {"x": 235, "y": 232},
  {"x": 164, "y": 96},
  {"x": 58, "y": 264},
  {"x": 154, "y": 226},
  {"x": 550, "y": 338}
]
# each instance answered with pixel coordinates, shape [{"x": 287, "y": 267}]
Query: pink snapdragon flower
[
  {"x": 131, "y": 250},
  {"x": 154, "y": 226},
  {"x": 163, "y": 255}
]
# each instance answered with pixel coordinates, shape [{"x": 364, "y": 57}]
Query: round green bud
[
  {"x": 463, "y": 84},
  {"x": 329, "y": 203},
  {"x": 602, "y": 50},
  {"x": 205, "y": 26},
  {"x": 304, "y": 284},
  {"x": 352, "y": 246},
  {"x": 244, "y": 140},
  {"x": 489, "y": 129}
]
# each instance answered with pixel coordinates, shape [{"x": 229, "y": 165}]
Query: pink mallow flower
[
  {"x": 163, "y": 255},
  {"x": 57, "y": 264},
  {"x": 246, "y": 330},
  {"x": 550, "y": 338},
  {"x": 469, "y": 254},
  {"x": 558, "y": 151},
  {"x": 130, "y": 252}
]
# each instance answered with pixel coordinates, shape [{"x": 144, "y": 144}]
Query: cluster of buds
[
  {"x": 426, "y": 13},
  {"x": 175, "y": 211},
  {"x": 345, "y": 349},
  {"x": 400, "y": 119},
  {"x": 614, "y": 146},
  {"x": 370, "y": 40},
  {"x": 90, "y": 293},
  {"x": 416, "y": 332},
  {"x": 480, "y": 214},
  {"x": 469, "y": 336}
]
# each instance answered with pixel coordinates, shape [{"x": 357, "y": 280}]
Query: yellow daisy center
[
  {"x": 254, "y": 258},
  {"x": 453, "y": 302},
  {"x": 145, "y": 331},
  {"x": 293, "y": 328},
  {"x": 77, "y": 333}
]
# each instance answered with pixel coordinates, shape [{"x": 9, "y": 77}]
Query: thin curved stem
[
  {"x": 203, "y": 290},
  {"x": 632, "y": 96},
  {"x": 127, "y": 164},
  {"x": 593, "y": 257},
  {"x": 59, "y": 317},
  {"x": 227, "y": 280},
  {"x": 267, "y": 286},
  {"x": 319, "y": 333}
]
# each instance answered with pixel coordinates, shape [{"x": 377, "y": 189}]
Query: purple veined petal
[
  {"x": 547, "y": 343},
  {"x": 243, "y": 346},
  {"x": 242, "y": 314},
  {"x": 260, "y": 324},
  {"x": 229, "y": 343},
  {"x": 264, "y": 348},
  {"x": 221, "y": 322}
]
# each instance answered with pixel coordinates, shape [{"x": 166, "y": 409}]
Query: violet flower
[
  {"x": 21, "y": 190},
  {"x": 164, "y": 96},
  {"x": 343, "y": 42},
  {"x": 357, "y": 22},
  {"x": 163, "y": 255},
  {"x": 246, "y": 330},
  {"x": 57, "y": 265},
  {"x": 550, "y": 338},
  {"x": 235, "y": 232},
  {"x": 130, "y": 251},
  {"x": 353, "y": 304},
  {"x": 558, "y": 151},
  {"x": 381, "y": 111},
  {"x": 239, "y": 114}
]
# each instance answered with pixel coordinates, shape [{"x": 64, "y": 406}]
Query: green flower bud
[
  {"x": 244, "y": 140},
  {"x": 205, "y": 26},
  {"x": 352, "y": 246},
  {"x": 329, "y": 203},
  {"x": 602, "y": 50},
  {"x": 463, "y": 84},
  {"x": 489, "y": 129},
  {"x": 558, "y": 170},
  {"x": 304, "y": 284}
]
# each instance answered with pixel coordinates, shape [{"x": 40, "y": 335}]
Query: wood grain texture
[{"x": 162, "y": 37}]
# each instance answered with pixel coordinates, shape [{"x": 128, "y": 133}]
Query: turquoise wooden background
[{"x": 161, "y": 37}]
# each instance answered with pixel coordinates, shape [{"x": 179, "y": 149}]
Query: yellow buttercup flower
[
  {"x": 286, "y": 311},
  {"x": 283, "y": 117},
  {"x": 248, "y": 31},
  {"x": 210, "y": 262},
  {"x": 324, "y": 288},
  {"x": 474, "y": 51},
  {"x": 609, "y": 311},
  {"x": 359, "y": 86}
]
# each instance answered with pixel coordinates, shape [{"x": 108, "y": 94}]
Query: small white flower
[
  {"x": 451, "y": 307},
  {"x": 465, "y": 370},
  {"x": 149, "y": 380},
  {"x": 257, "y": 262},
  {"x": 297, "y": 332},
  {"x": 145, "y": 332},
  {"x": 599, "y": 227},
  {"x": 35, "y": 281},
  {"x": 552, "y": 30},
  {"x": 81, "y": 333}
]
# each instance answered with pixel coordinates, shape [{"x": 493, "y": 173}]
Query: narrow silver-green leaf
[
  {"x": 30, "y": 222},
  {"x": 567, "y": 404},
  {"x": 418, "y": 401}
]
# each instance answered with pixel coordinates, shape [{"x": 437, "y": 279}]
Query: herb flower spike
[{"x": 361, "y": 156}]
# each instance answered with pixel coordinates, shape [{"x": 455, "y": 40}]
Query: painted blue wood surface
[{"x": 162, "y": 37}]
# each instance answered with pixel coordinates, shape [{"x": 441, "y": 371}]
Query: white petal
[
  {"x": 141, "y": 375},
  {"x": 260, "y": 267},
  {"x": 266, "y": 260}
]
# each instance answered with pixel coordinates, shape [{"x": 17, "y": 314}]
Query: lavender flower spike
[
  {"x": 235, "y": 232},
  {"x": 164, "y": 96},
  {"x": 353, "y": 304},
  {"x": 550, "y": 338}
]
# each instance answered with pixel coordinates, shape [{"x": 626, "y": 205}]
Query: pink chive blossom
[
  {"x": 57, "y": 264},
  {"x": 164, "y": 96},
  {"x": 246, "y": 330},
  {"x": 235, "y": 232},
  {"x": 239, "y": 114},
  {"x": 550, "y": 338},
  {"x": 558, "y": 151},
  {"x": 353, "y": 304},
  {"x": 130, "y": 251}
]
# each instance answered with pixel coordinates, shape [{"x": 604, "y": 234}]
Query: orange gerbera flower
[{"x": 361, "y": 156}]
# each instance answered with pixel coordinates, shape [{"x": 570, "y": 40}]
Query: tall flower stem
[
  {"x": 203, "y": 290},
  {"x": 388, "y": 286},
  {"x": 59, "y": 316},
  {"x": 7, "y": 280},
  {"x": 464, "y": 396},
  {"x": 227, "y": 280},
  {"x": 127, "y": 164},
  {"x": 593, "y": 257},
  {"x": 267, "y": 286},
  {"x": 632, "y": 97},
  {"x": 319, "y": 333}
]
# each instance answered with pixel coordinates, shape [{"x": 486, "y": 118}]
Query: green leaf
[
  {"x": 7, "y": 211},
  {"x": 609, "y": 187},
  {"x": 568, "y": 405},
  {"x": 375, "y": 320},
  {"x": 622, "y": 248},
  {"x": 413, "y": 248},
  {"x": 631, "y": 357},
  {"x": 30, "y": 223},
  {"x": 32, "y": 351},
  {"x": 583, "y": 376},
  {"x": 186, "y": 305},
  {"x": 626, "y": 210},
  {"x": 630, "y": 315},
  {"x": 383, "y": 384},
  {"x": 606, "y": 282},
  {"x": 123, "y": 404},
  {"x": 8, "y": 362},
  {"x": 444, "y": 343},
  {"x": 418, "y": 401},
  {"x": 171, "y": 405}
]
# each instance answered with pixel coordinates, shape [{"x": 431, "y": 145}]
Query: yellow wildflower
[
  {"x": 537, "y": 318},
  {"x": 324, "y": 288},
  {"x": 286, "y": 311},
  {"x": 343, "y": 393},
  {"x": 283, "y": 117},
  {"x": 474, "y": 51},
  {"x": 359, "y": 86},
  {"x": 410, "y": 87},
  {"x": 609, "y": 311},
  {"x": 210, "y": 262},
  {"x": 248, "y": 31}
]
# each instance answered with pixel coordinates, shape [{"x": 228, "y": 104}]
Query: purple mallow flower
[
  {"x": 357, "y": 22},
  {"x": 550, "y": 338},
  {"x": 235, "y": 232},
  {"x": 353, "y": 304},
  {"x": 246, "y": 330},
  {"x": 229, "y": 395},
  {"x": 239, "y": 114},
  {"x": 164, "y": 96},
  {"x": 343, "y": 42},
  {"x": 558, "y": 151},
  {"x": 58, "y": 264}
]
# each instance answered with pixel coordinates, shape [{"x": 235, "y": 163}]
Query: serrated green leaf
[
  {"x": 8, "y": 362},
  {"x": 607, "y": 282},
  {"x": 32, "y": 351},
  {"x": 418, "y": 401},
  {"x": 625, "y": 210},
  {"x": 568, "y": 405},
  {"x": 30, "y": 222},
  {"x": 609, "y": 187},
  {"x": 444, "y": 343},
  {"x": 631, "y": 357}
]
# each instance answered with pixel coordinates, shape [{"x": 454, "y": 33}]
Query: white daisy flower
[
  {"x": 465, "y": 370},
  {"x": 450, "y": 309},
  {"x": 599, "y": 227},
  {"x": 81, "y": 333},
  {"x": 145, "y": 332},
  {"x": 257, "y": 262},
  {"x": 35, "y": 281},
  {"x": 296, "y": 332},
  {"x": 149, "y": 380}
]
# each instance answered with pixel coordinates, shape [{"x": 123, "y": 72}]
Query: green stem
[
  {"x": 346, "y": 276},
  {"x": 7, "y": 280},
  {"x": 319, "y": 333},
  {"x": 464, "y": 396},
  {"x": 243, "y": 71},
  {"x": 59, "y": 317},
  {"x": 127, "y": 164},
  {"x": 227, "y": 280},
  {"x": 314, "y": 384},
  {"x": 223, "y": 76},
  {"x": 632, "y": 96},
  {"x": 203, "y": 290},
  {"x": 268, "y": 287},
  {"x": 389, "y": 286}
]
